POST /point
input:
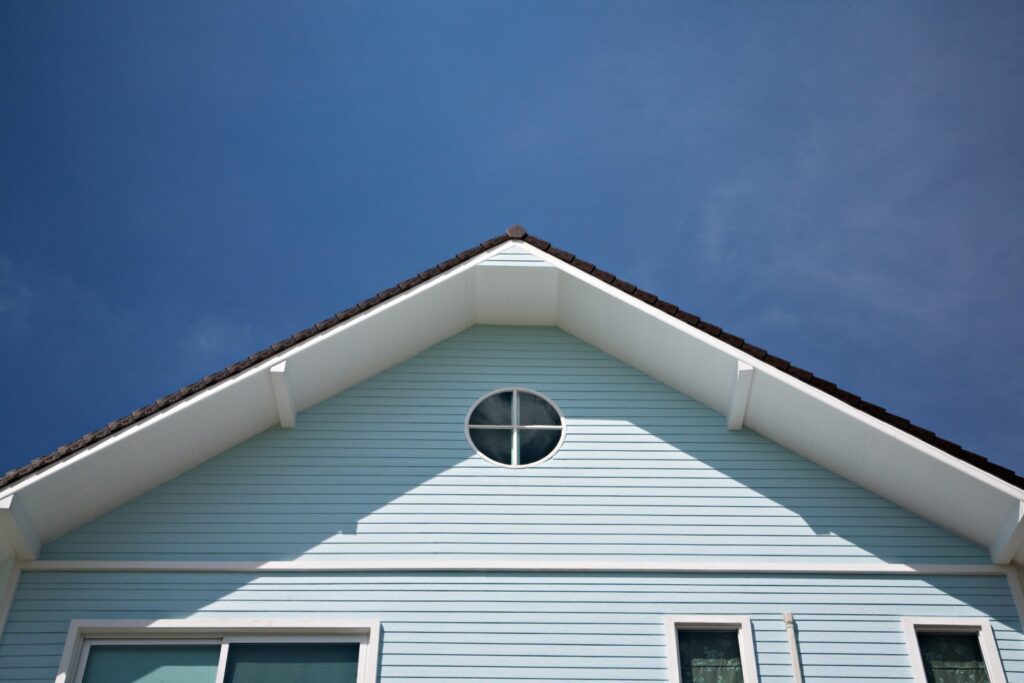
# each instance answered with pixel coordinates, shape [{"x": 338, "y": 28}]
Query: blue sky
[{"x": 183, "y": 183}]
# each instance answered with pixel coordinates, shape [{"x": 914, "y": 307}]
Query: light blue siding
[
  {"x": 384, "y": 470},
  {"x": 532, "y": 628}
]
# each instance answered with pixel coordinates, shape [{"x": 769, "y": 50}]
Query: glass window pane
[
  {"x": 536, "y": 444},
  {"x": 493, "y": 410},
  {"x": 710, "y": 656},
  {"x": 952, "y": 658},
  {"x": 533, "y": 410},
  {"x": 496, "y": 444},
  {"x": 152, "y": 664},
  {"x": 292, "y": 663}
]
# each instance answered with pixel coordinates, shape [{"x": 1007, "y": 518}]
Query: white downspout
[{"x": 794, "y": 649}]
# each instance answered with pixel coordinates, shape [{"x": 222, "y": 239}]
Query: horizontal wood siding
[
  {"x": 384, "y": 470},
  {"x": 533, "y": 628}
]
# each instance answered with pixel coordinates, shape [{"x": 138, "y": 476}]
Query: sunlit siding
[
  {"x": 384, "y": 470},
  {"x": 532, "y": 628}
]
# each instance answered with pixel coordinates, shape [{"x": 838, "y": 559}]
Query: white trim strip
[{"x": 498, "y": 565}]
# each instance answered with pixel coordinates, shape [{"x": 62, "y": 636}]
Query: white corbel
[
  {"x": 740, "y": 393},
  {"x": 1009, "y": 538},
  {"x": 283, "y": 394},
  {"x": 17, "y": 527}
]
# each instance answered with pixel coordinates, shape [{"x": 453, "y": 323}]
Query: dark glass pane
[
  {"x": 493, "y": 410},
  {"x": 533, "y": 410},
  {"x": 952, "y": 658},
  {"x": 292, "y": 663},
  {"x": 152, "y": 664},
  {"x": 496, "y": 444},
  {"x": 535, "y": 444},
  {"x": 710, "y": 656}
]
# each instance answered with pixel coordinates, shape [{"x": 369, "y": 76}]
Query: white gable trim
[{"x": 911, "y": 473}]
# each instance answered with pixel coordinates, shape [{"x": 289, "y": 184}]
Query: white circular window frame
[{"x": 515, "y": 428}]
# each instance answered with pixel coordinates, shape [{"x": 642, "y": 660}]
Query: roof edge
[{"x": 516, "y": 232}]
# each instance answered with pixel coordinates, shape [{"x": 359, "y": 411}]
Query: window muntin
[
  {"x": 953, "y": 650},
  {"x": 715, "y": 648},
  {"x": 515, "y": 427}
]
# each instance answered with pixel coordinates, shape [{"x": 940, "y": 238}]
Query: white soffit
[{"x": 495, "y": 288}]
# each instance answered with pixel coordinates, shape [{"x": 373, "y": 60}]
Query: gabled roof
[
  {"x": 488, "y": 284},
  {"x": 516, "y": 233}
]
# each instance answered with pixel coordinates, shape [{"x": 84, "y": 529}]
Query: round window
[{"x": 515, "y": 427}]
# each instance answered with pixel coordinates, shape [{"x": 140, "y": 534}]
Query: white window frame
[
  {"x": 515, "y": 426},
  {"x": 740, "y": 624},
  {"x": 980, "y": 627},
  {"x": 83, "y": 634}
]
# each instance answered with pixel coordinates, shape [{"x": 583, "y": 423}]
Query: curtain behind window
[
  {"x": 710, "y": 657},
  {"x": 952, "y": 658}
]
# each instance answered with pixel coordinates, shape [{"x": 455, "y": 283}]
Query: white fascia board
[
  {"x": 245, "y": 405},
  {"x": 984, "y": 499}
]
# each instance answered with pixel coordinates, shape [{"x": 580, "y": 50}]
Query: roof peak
[{"x": 515, "y": 232}]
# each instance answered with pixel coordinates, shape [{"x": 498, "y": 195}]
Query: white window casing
[
  {"x": 739, "y": 624},
  {"x": 82, "y": 634},
  {"x": 980, "y": 627}
]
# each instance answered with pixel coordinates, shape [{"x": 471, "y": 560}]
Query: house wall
[
  {"x": 529, "y": 627},
  {"x": 383, "y": 470}
]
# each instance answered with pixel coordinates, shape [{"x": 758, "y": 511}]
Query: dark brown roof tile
[
  {"x": 585, "y": 266},
  {"x": 627, "y": 287},
  {"x": 646, "y": 297},
  {"x": 666, "y": 307},
  {"x": 563, "y": 255},
  {"x": 537, "y": 242}
]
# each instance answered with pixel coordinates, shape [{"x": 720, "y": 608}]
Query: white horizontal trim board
[
  {"x": 366, "y": 632},
  {"x": 501, "y": 565}
]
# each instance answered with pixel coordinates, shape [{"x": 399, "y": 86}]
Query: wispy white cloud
[{"x": 214, "y": 337}]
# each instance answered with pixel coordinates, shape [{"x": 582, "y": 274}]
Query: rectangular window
[
  {"x": 953, "y": 651},
  {"x": 241, "y": 662},
  {"x": 719, "y": 649},
  {"x": 186, "y": 651}
]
